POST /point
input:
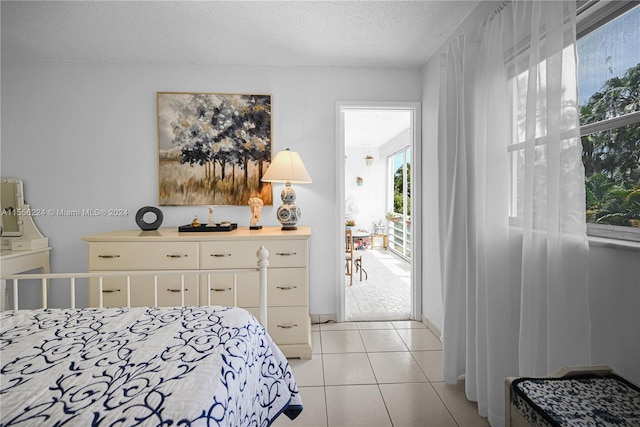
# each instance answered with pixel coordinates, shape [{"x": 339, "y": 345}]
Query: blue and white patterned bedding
[
  {"x": 586, "y": 400},
  {"x": 183, "y": 366}
]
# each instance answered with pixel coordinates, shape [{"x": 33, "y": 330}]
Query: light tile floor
[
  {"x": 378, "y": 374},
  {"x": 385, "y": 294}
]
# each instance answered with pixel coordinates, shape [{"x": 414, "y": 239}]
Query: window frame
[{"x": 591, "y": 15}]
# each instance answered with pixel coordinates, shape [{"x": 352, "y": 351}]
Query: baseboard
[
  {"x": 433, "y": 328},
  {"x": 323, "y": 318},
  {"x": 327, "y": 318}
]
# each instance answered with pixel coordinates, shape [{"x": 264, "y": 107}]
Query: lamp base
[{"x": 288, "y": 214}]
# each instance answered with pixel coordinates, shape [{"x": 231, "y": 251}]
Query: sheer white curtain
[{"x": 515, "y": 298}]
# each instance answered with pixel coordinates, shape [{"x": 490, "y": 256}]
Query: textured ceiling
[{"x": 400, "y": 34}]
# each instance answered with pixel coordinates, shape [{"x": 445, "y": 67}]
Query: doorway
[{"x": 378, "y": 143}]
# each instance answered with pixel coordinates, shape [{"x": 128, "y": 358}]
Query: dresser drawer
[
  {"x": 220, "y": 288},
  {"x": 287, "y": 253},
  {"x": 114, "y": 291},
  {"x": 143, "y": 256},
  {"x": 288, "y": 325},
  {"x": 282, "y": 253},
  {"x": 225, "y": 254},
  {"x": 287, "y": 287},
  {"x": 169, "y": 291}
]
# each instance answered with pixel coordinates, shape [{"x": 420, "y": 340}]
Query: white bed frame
[
  {"x": 513, "y": 417},
  {"x": 262, "y": 264}
]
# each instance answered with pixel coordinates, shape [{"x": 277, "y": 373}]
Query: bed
[
  {"x": 574, "y": 396},
  {"x": 147, "y": 366}
]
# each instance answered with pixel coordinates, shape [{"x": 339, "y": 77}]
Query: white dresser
[{"x": 166, "y": 249}]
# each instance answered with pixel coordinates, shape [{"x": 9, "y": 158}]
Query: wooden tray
[{"x": 205, "y": 229}]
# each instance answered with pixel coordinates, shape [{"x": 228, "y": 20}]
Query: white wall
[
  {"x": 614, "y": 295},
  {"x": 614, "y": 298},
  {"x": 370, "y": 197},
  {"x": 83, "y": 135},
  {"x": 432, "y": 288}
]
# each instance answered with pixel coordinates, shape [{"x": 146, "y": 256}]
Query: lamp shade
[{"x": 287, "y": 167}]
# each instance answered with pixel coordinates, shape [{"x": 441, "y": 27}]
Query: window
[{"x": 609, "y": 101}]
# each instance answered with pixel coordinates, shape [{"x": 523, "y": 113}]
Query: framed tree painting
[{"x": 213, "y": 148}]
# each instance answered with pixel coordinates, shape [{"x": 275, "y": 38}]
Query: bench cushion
[{"x": 586, "y": 400}]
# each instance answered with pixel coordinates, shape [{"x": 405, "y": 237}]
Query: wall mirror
[{"x": 11, "y": 200}]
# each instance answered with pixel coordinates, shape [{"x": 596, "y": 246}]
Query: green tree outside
[
  {"x": 398, "y": 189},
  {"x": 612, "y": 158}
]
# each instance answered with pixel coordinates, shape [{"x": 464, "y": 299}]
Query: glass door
[{"x": 399, "y": 202}]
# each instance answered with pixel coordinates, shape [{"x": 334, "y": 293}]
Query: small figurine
[
  {"x": 195, "y": 222},
  {"x": 255, "y": 204},
  {"x": 210, "y": 222}
]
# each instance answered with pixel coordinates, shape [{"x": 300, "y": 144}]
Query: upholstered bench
[{"x": 582, "y": 396}]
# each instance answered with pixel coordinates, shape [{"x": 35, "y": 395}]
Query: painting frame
[{"x": 213, "y": 148}]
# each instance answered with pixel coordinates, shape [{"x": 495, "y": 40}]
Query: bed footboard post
[{"x": 263, "y": 263}]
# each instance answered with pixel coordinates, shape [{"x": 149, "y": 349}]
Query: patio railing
[{"x": 399, "y": 237}]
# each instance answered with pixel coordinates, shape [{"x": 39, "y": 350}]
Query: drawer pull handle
[
  {"x": 288, "y": 326},
  {"x": 286, "y": 253},
  {"x": 220, "y": 289},
  {"x": 110, "y": 291},
  {"x": 286, "y": 288},
  {"x": 176, "y": 290},
  {"x": 177, "y": 256},
  {"x": 220, "y": 255},
  {"x": 108, "y": 256}
]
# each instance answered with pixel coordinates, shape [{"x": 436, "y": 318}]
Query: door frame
[{"x": 416, "y": 199}]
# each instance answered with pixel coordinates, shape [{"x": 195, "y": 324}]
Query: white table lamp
[{"x": 287, "y": 167}]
